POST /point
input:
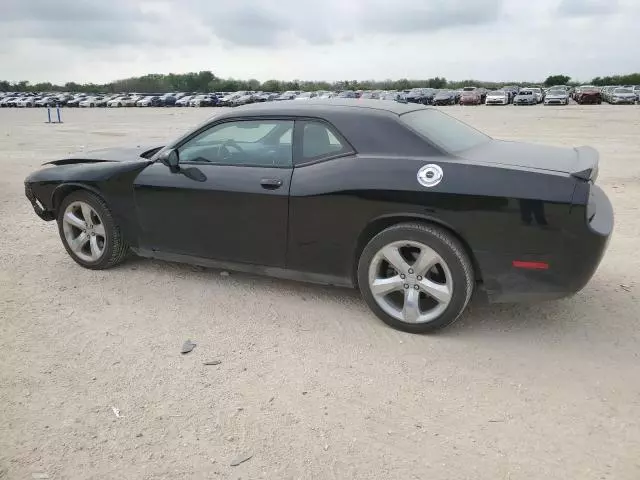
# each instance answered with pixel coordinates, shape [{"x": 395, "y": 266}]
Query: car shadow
[{"x": 480, "y": 318}]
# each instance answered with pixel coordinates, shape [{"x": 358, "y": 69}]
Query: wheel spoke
[
  {"x": 86, "y": 213},
  {"x": 77, "y": 243},
  {"x": 72, "y": 219},
  {"x": 99, "y": 229},
  {"x": 95, "y": 249},
  {"x": 392, "y": 254},
  {"x": 411, "y": 308},
  {"x": 384, "y": 286},
  {"x": 427, "y": 259},
  {"x": 438, "y": 291}
]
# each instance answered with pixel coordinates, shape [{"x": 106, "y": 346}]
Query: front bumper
[{"x": 37, "y": 206}]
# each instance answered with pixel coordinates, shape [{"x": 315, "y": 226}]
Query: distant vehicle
[
  {"x": 556, "y": 96},
  {"x": 370, "y": 95},
  {"x": 48, "y": 101},
  {"x": 288, "y": 95},
  {"x": 168, "y": 100},
  {"x": 525, "y": 97},
  {"x": 587, "y": 94},
  {"x": 150, "y": 101},
  {"x": 347, "y": 94},
  {"x": 8, "y": 102},
  {"x": 445, "y": 97},
  {"x": 243, "y": 100},
  {"x": 228, "y": 100},
  {"x": 184, "y": 101},
  {"x": 423, "y": 96},
  {"x": 497, "y": 97},
  {"x": 203, "y": 100},
  {"x": 306, "y": 96},
  {"x": 538, "y": 93},
  {"x": 325, "y": 95},
  {"x": 621, "y": 96},
  {"x": 118, "y": 101},
  {"x": 26, "y": 102},
  {"x": 91, "y": 102},
  {"x": 470, "y": 97},
  {"x": 482, "y": 92}
]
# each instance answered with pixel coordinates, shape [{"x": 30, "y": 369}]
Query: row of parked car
[{"x": 509, "y": 95}]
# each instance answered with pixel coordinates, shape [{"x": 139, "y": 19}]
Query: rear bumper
[{"x": 568, "y": 269}]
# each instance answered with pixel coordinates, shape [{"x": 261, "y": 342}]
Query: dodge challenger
[{"x": 413, "y": 207}]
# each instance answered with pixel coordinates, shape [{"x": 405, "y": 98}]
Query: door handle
[{"x": 271, "y": 183}]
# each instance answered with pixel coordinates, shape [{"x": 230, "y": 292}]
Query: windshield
[
  {"x": 496, "y": 94},
  {"x": 622, "y": 90},
  {"x": 556, "y": 92},
  {"x": 525, "y": 92},
  {"x": 445, "y": 131}
]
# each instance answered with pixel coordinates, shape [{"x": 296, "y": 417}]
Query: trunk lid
[{"x": 579, "y": 162}]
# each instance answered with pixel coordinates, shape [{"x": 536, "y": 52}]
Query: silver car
[
  {"x": 622, "y": 95},
  {"x": 556, "y": 96}
]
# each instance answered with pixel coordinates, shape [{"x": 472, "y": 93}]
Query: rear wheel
[
  {"x": 415, "y": 277},
  {"x": 89, "y": 232}
]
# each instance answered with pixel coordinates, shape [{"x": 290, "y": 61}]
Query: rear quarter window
[{"x": 448, "y": 133}]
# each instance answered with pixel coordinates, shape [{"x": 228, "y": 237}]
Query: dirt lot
[{"x": 310, "y": 383}]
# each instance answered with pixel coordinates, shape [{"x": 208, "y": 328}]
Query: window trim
[
  {"x": 298, "y": 132},
  {"x": 181, "y": 142}
]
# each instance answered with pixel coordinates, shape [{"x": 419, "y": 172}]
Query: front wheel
[
  {"x": 415, "y": 277},
  {"x": 89, "y": 232}
]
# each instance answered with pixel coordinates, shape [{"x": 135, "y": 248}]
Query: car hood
[
  {"x": 581, "y": 162},
  {"x": 109, "y": 155}
]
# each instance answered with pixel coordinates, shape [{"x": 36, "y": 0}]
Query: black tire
[
  {"x": 115, "y": 249},
  {"x": 451, "y": 251}
]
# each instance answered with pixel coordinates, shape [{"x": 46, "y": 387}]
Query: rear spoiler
[{"x": 587, "y": 164}]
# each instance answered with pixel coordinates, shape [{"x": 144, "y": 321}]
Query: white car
[
  {"x": 306, "y": 96},
  {"x": 184, "y": 101},
  {"x": 88, "y": 102},
  {"x": 117, "y": 102},
  {"x": 25, "y": 102},
  {"x": 497, "y": 97},
  {"x": 537, "y": 92}
]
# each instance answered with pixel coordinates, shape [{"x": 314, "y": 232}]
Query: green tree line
[{"x": 206, "y": 81}]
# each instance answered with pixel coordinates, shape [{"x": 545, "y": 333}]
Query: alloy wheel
[
  {"x": 84, "y": 231},
  {"x": 410, "y": 281}
]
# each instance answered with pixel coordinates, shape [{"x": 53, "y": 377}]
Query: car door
[{"x": 228, "y": 200}]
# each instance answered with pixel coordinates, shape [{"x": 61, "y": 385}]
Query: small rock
[
  {"x": 187, "y": 347},
  {"x": 326, "y": 447},
  {"x": 94, "y": 378},
  {"x": 304, "y": 393},
  {"x": 224, "y": 273},
  {"x": 272, "y": 399},
  {"x": 40, "y": 475},
  {"x": 138, "y": 435},
  {"x": 626, "y": 288},
  {"x": 213, "y": 362},
  {"x": 116, "y": 411},
  {"x": 241, "y": 459}
]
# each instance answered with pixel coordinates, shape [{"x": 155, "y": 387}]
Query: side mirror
[{"x": 171, "y": 159}]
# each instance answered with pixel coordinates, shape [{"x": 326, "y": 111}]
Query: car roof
[{"x": 314, "y": 107}]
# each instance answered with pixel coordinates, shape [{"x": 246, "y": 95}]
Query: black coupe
[{"x": 415, "y": 208}]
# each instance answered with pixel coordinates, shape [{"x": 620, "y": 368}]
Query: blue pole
[
  {"x": 58, "y": 112},
  {"x": 48, "y": 115}
]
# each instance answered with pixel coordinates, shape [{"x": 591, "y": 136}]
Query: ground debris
[
  {"x": 116, "y": 411},
  {"x": 243, "y": 457},
  {"x": 187, "y": 347},
  {"x": 213, "y": 362}
]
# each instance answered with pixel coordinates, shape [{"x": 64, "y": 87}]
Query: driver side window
[{"x": 258, "y": 143}]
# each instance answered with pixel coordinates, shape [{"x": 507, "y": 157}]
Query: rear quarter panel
[{"x": 497, "y": 212}]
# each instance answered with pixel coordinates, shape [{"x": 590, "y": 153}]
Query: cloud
[
  {"x": 428, "y": 16},
  {"x": 102, "y": 40},
  {"x": 584, "y": 8}
]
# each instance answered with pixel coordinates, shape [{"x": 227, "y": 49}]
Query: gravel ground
[{"x": 310, "y": 383}]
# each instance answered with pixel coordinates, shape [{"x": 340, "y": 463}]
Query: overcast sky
[{"x": 103, "y": 40}]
